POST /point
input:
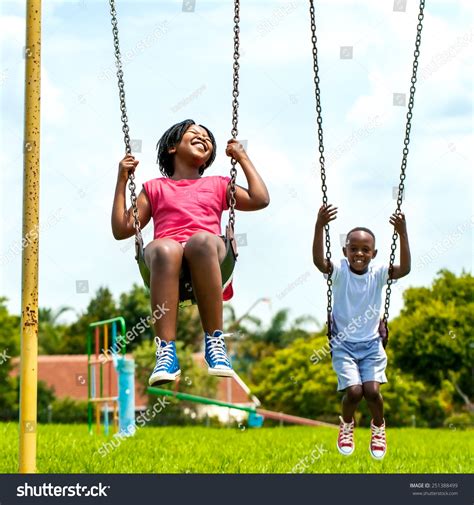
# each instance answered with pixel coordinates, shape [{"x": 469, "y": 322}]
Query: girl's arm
[
  {"x": 400, "y": 225},
  {"x": 256, "y": 197},
  {"x": 325, "y": 215},
  {"x": 122, "y": 219}
]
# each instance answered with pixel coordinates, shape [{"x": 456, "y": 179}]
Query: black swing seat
[{"x": 186, "y": 293}]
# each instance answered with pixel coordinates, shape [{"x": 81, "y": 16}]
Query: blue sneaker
[
  {"x": 167, "y": 366},
  {"x": 216, "y": 355}
]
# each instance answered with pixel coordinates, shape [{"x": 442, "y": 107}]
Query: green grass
[{"x": 70, "y": 449}]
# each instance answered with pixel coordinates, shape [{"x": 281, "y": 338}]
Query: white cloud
[
  {"x": 53, "y": 109},
  {"x": 12, "y": 30}
]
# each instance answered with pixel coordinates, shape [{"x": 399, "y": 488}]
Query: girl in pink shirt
[{"x": 186, "y": 209}]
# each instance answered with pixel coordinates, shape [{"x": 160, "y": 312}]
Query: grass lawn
[{"x": 70, "y": 449}]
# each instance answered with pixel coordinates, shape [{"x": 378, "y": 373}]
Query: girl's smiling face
[
  {"x": 195, "y": 144},
  {"x": 187, "y": 146},
  {"x": 359, "y": 250}
]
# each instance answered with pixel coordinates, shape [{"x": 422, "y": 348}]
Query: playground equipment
[
  {"x": 107, "y": 364},
  {"x": 256, "y": 415}
]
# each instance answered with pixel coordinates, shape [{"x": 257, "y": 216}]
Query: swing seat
[
  {"x": 383, "y": 331},
  {"x": 186, "y": 292}
]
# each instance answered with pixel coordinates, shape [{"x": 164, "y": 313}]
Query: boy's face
[
  {"x": 195, "y": 144},
  {"x": 359, "y": 250}
]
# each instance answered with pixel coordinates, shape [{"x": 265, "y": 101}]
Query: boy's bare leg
[
  {"x": 164, "y": 258},
  {"x": 204, "y": 252},
  {"x": 374, "y": 401},
  {"x": 350, "y": 402}
]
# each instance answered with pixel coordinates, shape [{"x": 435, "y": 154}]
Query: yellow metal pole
[{"x": 30, "y": 241}]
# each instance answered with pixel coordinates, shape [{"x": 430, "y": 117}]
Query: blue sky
[{"x": 179, "y": 65}]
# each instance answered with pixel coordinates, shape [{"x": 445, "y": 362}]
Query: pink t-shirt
[
  {"x": 185, "y": 207},
  {"x": 182, "y": 208}
]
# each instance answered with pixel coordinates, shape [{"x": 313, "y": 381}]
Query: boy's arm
[
  {"x": 122, "y": 219},
  {"x": 400, "y": 225},
  {"x": 256, "y": 197},
  {"x": 325, "y": 215}
]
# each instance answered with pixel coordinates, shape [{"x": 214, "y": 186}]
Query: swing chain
[
  {"x": 235, "y": 107},
  {"x": 401, "y": 185},
  {"x": 321, "y": 160},
  {"x": 125, "y": 127}
]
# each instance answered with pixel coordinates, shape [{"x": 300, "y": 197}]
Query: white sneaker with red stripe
[
  {"x": 378, "y": 443},
  {"x": 345, "y": 440}
]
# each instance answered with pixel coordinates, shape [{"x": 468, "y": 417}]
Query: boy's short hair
[
  {"x": 171, "y": 138},
  {"x": 360, "y": 228}
]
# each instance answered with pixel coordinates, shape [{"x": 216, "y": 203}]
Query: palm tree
[
  {"x": 234, "y": 324},
  {"x": 51, "y": 333},
  {"x": 264, "y": 341}
]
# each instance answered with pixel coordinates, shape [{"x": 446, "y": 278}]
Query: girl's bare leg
[
  {"x": 204, "y": 252},
  {"x": 164, "y": 258}
]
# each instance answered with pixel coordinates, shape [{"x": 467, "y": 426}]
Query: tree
[
  {"x": 261, "y": 342},
  {"x": 236, "y": 324},
  {"x": 432, "y": 336},
  {"x": 288, "y": 381},
  {"x": 189, "y": 329},
  {"x": 291, "y": 381},
  {"x": 10, "y": 386},
  {"x": 408, "y": 401},
  {"x": 101, "y": 307},
  {"x": 9, "y": 347},
  {"x": 134, "y": 306},
  {"x": 51, "y": 334},
  {"x": 429, "y": 362}
]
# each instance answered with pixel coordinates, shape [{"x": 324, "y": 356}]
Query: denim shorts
[{"x": 358, "y": 362}]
